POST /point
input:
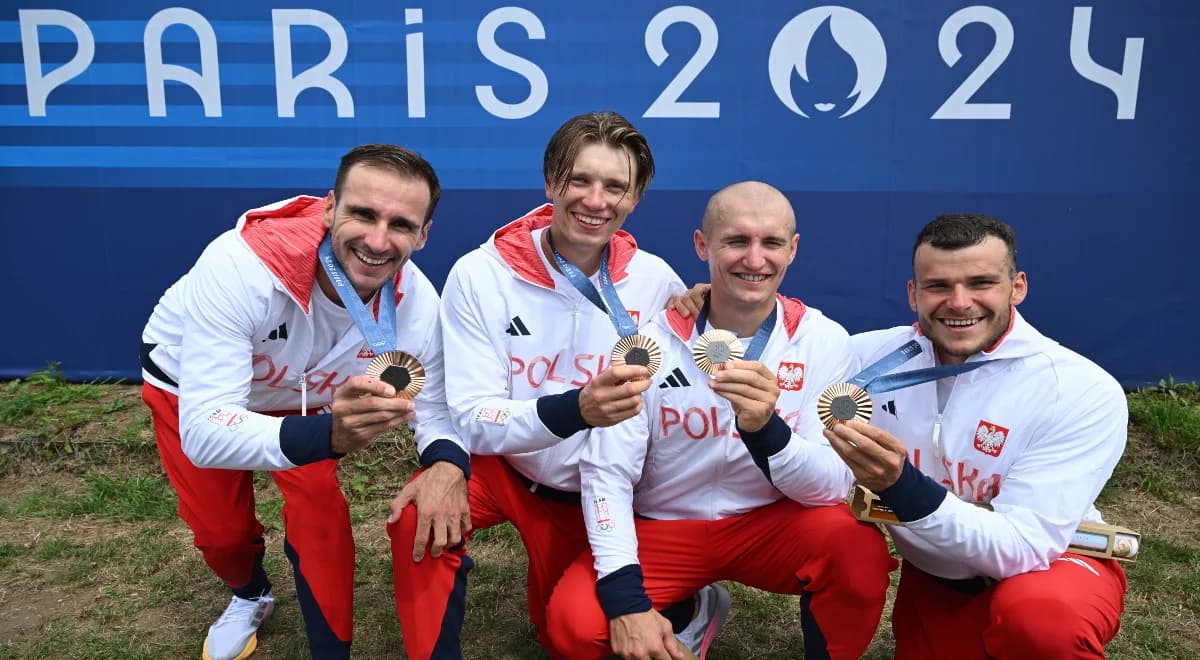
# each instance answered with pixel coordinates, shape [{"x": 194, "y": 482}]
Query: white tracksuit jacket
[
  {"x": 234, "y": 335},
  {"x": 1035, "y": 435},
  {"x": 682, "y": 457},
  {"x": 521, "y": 342}
]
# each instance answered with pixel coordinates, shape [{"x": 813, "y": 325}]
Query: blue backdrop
[{"x": 132, "y": 133}]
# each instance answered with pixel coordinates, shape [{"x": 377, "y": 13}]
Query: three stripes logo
[
  {"x": 675, "y": 379},
  {"x": 517, "y": 328},
  {"x": 277, "y": 333}
]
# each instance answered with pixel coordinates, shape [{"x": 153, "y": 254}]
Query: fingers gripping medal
[
  {"x": 638, "y": 349},
  {"x": 714, "y": 348},
  {"x": 843, "y": 402},
  {"x": 400, "y": 370}
]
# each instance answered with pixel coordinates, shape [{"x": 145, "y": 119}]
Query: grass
[{"x": 95, "y": 564}]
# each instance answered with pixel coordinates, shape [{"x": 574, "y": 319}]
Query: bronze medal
[
  {"x": 638, "y": 349},
  {"x": 714, "y": 348},
  {"x": 843, "y": 402},
  {"x": 400, "y": 370}
]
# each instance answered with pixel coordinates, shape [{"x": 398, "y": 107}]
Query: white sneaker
[
  {"x": 234, "y": 636},
  {"x": 711, "y": 612}
]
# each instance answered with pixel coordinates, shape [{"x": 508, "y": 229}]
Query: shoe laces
[{"x": 242, "y": 610}]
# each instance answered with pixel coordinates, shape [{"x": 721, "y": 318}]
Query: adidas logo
[
  {"x": 277, "y": 333},
  {"x": 517, "y": 328},
  {"x": 675, "y": 379},
  {"x": 890, "y": 406}
]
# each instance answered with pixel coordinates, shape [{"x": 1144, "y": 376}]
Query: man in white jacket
[
  {"x": 529, "y": 321},
  {"x": 1033, "y": 433},
  {"x": 274, "y": 324},
  {"x": 727, "y": 477}
]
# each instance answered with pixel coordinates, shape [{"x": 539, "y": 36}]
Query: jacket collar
[{"x": 514, "y": 245}]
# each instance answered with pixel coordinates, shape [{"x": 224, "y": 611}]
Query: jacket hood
[
  {"x": 793, "y": 311},
  {"x": 285, "y": 237},
  {"x": 513, "y": 245}
]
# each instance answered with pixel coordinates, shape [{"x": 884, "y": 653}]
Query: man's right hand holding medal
[
  {"x": 875, "y": 456},
  {"x": 363, "y": 408},
  {"x": 614, "y": 395}
]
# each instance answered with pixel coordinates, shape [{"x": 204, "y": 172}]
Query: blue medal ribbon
[
  {"x": 381, "y": 334},
  {"x": 759, "y": 342},
  {"x": 872, "y": 379},
  {"x": 610, "y": 303}
]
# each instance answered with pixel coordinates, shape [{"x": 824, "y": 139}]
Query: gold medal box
[{"x": 1091, "y": 538}]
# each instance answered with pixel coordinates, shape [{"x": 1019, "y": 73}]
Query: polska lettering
[
  {"x": 577, "y": 371},
  {"x": 963, "y": 480},
  {"x": 711, "y": 422},
  {"x": 319, "y": 382}
]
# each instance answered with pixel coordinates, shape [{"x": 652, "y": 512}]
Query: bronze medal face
[
  {"x": 714, "y": 348},
  {"x": 400, "y": 370},
  {"x": 843, "y": 402},
  {"x": 638, "y": 349}
]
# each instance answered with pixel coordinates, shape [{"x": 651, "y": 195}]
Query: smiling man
[
  {"x": 530, "y": 320},
  {"x": 726, "y": 477},
  {"x": 275, "y": 323},
  {"x": 1028, "y": 429}
]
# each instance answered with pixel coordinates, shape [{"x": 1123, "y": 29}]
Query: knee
[
  {"x": 1043, "y": 626},
  {"x": 403, "y": 532},
  {"x": 569, "y": 635},
  {"x": 226, "y": 538},
  {"x": 860, "y": 551}
]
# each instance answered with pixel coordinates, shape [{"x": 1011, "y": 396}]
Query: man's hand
[
  {"x": 875, "y": 456},
  {"x": 364, "y": 407},
  {"x": 690, "y": 302},
  {"x": 440, "y": 495},
  {"x": 644, "y": 636},
  {"x": 751, "y": 388},
  {"x": 614, "y": 395}
]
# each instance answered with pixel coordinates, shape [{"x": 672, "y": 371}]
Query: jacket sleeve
[
  {"x": 477, "y": 368},
  {"x": 1042, "y": 498},
  {"x": 433, "y": 433},
  {"x": 609, "y": 467},
  {"x": 801, "y": 464},
  {"x": 225, "y": 302}
]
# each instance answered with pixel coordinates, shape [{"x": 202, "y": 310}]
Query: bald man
[{"x": 734, "y": 479}]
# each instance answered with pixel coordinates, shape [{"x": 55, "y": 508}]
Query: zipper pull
[
  {"x": 303, "y": 396},
  {"x": 937, "y": 433}
]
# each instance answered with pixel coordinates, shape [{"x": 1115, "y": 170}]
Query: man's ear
[
  {"x": 330, "y": 206},
  {"x": 701, "y": 245}
]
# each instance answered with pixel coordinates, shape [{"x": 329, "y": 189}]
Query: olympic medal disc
[
  {"x": 638, "y": 349},
  {"x": 843, "y": 402},
  {"x": 714, "y": 348},
  {"x": 400, "y": 370}
]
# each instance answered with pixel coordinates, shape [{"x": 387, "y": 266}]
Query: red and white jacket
[
  {"x": 683, "y": 458},
  {"x": 233, "y": 338},
  {"x": 1035, "y": 434},
  {"x": 521, "y": 342}
]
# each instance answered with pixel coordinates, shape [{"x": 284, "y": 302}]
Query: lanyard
[
  {"x": 614, "y": 309},
  {"x": 758, "y": 343},
  {"x": 872, "y": 379},
  {"x": 381, "y": 334}
]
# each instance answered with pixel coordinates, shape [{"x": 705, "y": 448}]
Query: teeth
[
  {"x": 752, "y": 278},
  {"x": 369, "y": 261},
  {"x": 590, "y": 221},
  {"x": 960, "y": 323}
]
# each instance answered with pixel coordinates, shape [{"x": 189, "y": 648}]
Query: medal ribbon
[
  {"x": 381, "y": 334},
  {"x": 620, "y": 318},
  {"x": 872, "y": 379},
  {"x": 759, "y": 342}
]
